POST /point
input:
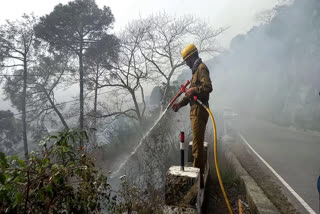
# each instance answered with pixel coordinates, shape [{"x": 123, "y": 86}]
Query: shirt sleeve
[
  {"x": 205, "y": 86},
  {"x": 184, "y": 101}
]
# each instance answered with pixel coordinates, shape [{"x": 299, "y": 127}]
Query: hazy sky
[{"x": 239, "y": 15}]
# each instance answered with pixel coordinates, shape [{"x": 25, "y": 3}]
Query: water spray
[{"x": 182, "y": 90}]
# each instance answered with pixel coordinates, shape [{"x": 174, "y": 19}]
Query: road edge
[
  {"x": 286, "y": 189},
  {"x": 258, "y": 202}
]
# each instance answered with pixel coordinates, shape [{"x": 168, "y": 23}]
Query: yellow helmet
[{"x": 188, "y": 51}]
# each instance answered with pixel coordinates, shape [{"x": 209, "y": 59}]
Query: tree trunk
[
  {"x": 143, "y": 101},
  {"x": 95, "y": 106},
  {"x": 56, "y": 110},
  {"x": 81, "y": 91},
  {"x": 24, "y": 113},
  {"x": 136, "y": 106}
]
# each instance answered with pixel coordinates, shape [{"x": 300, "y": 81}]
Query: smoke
[{"x": 272, "y": 72}]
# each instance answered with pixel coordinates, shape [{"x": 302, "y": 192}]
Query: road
[{"x": 293, "y": 154}]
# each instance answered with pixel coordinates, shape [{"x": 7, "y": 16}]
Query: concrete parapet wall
[{"x": 258, "y": 202}]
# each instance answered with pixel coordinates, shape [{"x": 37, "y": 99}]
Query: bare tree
[
  {"x": 97, "y": 63},
  {"x": 131, "y": 71},
  {"x": 17, "y": 51},
  {"x": 266, "y": 16},
  {"x": 48, "y": 75},
  {"x": 166, "y": 38}
]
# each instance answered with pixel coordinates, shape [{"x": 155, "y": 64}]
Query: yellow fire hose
[
  {"x": 215, "y": 154},
  {"x": 183, "y": 89}
]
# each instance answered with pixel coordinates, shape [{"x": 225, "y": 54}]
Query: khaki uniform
[{"x": 199, "y": 115}]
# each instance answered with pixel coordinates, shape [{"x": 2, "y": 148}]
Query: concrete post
[{"x": 178, "y": 183}]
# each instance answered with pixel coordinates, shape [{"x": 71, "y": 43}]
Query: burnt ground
[
  {"x": 264, "y": 179},
  {"x": 215, "y": 202}
]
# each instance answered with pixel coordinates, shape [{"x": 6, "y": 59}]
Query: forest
[{"x": 83, "y": 95}]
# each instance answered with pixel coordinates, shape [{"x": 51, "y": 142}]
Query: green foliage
[
  {"x": 99, "y": 59},
  {"x": 103, "y": 52},
  {"x": 75, "y": 24},
  {"x": 63, "y": 179},
  {"x": 72, "y": 28},
  {"x": 60, "y": 179}
]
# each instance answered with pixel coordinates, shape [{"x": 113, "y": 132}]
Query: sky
[{"x": 240, "y": 16}]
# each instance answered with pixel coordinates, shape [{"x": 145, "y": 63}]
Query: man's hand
[
  {"x": 176, "y": 107},
  {"x": 191, "y": 91}
]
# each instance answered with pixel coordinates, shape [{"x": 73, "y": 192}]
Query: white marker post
[{"x": 182, "y": 151}]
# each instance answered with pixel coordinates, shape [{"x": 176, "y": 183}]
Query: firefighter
[{"x": 201, "y": 87}]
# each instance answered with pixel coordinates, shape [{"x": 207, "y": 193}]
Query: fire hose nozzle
[
  {"x": 182, "y": 90},
  {"x": 183, "y": 87}
]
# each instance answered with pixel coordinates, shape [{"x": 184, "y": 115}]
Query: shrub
[{"x": 59, "y": 179}]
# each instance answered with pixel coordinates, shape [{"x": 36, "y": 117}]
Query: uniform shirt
[{"x": 202, "y": 82}]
